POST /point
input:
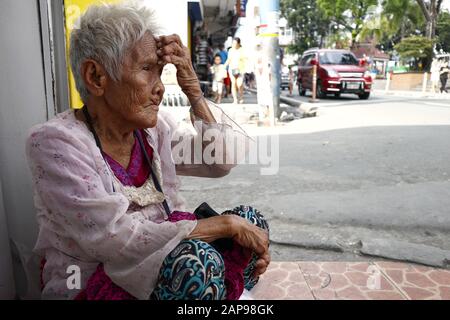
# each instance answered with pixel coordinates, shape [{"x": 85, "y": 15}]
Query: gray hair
[{"x": 105, "y": 33}]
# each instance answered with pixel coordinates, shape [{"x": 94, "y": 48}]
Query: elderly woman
[{"x": 112, "y": 222}]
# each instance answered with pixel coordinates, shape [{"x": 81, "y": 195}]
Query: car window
[
  {"x": 302, "y": 62},
  {"x": 310, "y": 57},
  {"x": 307, "y": 59},
  {"x": 342, "y": 58}
]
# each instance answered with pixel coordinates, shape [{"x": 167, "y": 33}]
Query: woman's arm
[
  {"x": 171, "y": 50},
  {"x": 212, "y": 229}
]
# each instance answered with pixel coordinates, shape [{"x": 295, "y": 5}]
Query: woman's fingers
[
  {"x": 264, "y": 242},
  {"x": 170, "y": 49},
  {"x": 251, "y": 236},
  {"x": 165, "y": 40},
  {"x": 259, "y": 271},
  {"x": 173, "y": 59},
  {"x": 261, "y": 266}
]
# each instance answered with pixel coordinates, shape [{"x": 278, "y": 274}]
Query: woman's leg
[
  {"x": 194, "y": 270},
  {"x": 240, "y": 88},
  {"x": 256, "y": 218},
  {"x": 219, "y": 92},
  {"x": 234, "y": 89}
]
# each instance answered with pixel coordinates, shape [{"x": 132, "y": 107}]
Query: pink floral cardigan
[{"x": 84, "y": 220}]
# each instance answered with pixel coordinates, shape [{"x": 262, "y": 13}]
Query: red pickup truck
[{"x": 338, "y": 71}]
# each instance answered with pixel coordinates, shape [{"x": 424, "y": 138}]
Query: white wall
[
  {"x": 172, "y": 16},
  {"x": 22, "y": 104}
]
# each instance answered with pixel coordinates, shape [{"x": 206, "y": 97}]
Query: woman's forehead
[{"x": 144, "y": 50}]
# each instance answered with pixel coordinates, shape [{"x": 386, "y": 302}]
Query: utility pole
[{"x": 270, "y": 15}]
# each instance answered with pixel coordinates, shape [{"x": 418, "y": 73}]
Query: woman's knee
[
  {"x": 194, "y": 270},
  {"x": 252, "y": 215}
]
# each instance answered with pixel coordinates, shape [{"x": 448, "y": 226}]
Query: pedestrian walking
[
  {"x": 291, "y": 81},
  {"x": 236, "y": 63},
  {"x": 435, "y": 75},
  {"x": 444, "y": 76}
]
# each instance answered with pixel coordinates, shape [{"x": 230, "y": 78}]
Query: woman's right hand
[
  {"x": 254, "y": 238},
  {"x": 250, "y": 236},
  {"x": 240, "y": 230}
]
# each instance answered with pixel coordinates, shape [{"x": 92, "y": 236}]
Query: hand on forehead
[
  {"x": 165, "y": 40},
  {"x": 168, "y": 47}
]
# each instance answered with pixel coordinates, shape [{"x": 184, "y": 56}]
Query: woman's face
[
  {"x": 236, "y": 44},
  {"x": 136, "y": 97}
]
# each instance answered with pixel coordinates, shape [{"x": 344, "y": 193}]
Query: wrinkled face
[{"x": 136, "y": 97}]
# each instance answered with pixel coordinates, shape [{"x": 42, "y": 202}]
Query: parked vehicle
[{"x": 338, "y": 71}]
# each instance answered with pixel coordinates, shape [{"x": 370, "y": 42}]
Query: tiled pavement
[{"x": 350, "y": 280}]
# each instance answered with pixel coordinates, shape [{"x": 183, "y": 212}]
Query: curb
[{"x": 289, "y": 101}]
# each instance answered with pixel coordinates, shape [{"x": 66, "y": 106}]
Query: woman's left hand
[{"x": 170, "y": 49}]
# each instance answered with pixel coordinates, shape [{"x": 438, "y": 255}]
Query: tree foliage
[
  {"x": 415, "y": 48},
  {"x": 349, "y": 15},
  {"x": 443, "y": 31},
  {"x": 308, "y": 22},
  {"x": 405, "y": 18},
  {"x": 395, "y": 24}
]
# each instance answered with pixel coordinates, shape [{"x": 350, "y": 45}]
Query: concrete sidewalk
[
  {"x": 307, "y": 280},
  {"x": 413, "y": 94}
]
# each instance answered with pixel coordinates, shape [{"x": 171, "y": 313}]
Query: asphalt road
[{"x": 364, "y": 178}]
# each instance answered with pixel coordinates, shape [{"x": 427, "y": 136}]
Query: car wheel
[
  {"x": 301, "y": 91},
  {"x": 320, "y": 93},
  {"x": 364, "y": 96},
  {"x": 337, "y": 95}
]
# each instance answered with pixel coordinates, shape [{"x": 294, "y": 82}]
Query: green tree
[
  {"x": 308, "y": 22},
  {"x": 399, "y": 19},
  {"x": 417, "y": 49},
  {"x": 405, "y": 18},
  {"x": 443, "y": 31},
  {"x": 349, "y": 15}
]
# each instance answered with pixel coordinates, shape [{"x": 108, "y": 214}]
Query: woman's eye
[{"x": 146, "y": 68}]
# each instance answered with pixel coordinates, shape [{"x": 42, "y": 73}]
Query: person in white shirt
[
  {"x": 236, "y": 63},
  {"x": 435, "y": 75},
  {"x": 219, "y": 74}
]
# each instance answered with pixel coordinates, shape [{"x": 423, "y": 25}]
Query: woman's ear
[{"x": 94, "y": 76}]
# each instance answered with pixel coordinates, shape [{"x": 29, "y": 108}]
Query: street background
[
  {"x": 367, "y": 177},
  {"x": 358, "y": 179}
]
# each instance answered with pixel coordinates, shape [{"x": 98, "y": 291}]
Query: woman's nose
[{"x": 158, "y": 89}]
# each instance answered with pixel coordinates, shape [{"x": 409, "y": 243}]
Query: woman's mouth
[{"x": 153, "y": 107}]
